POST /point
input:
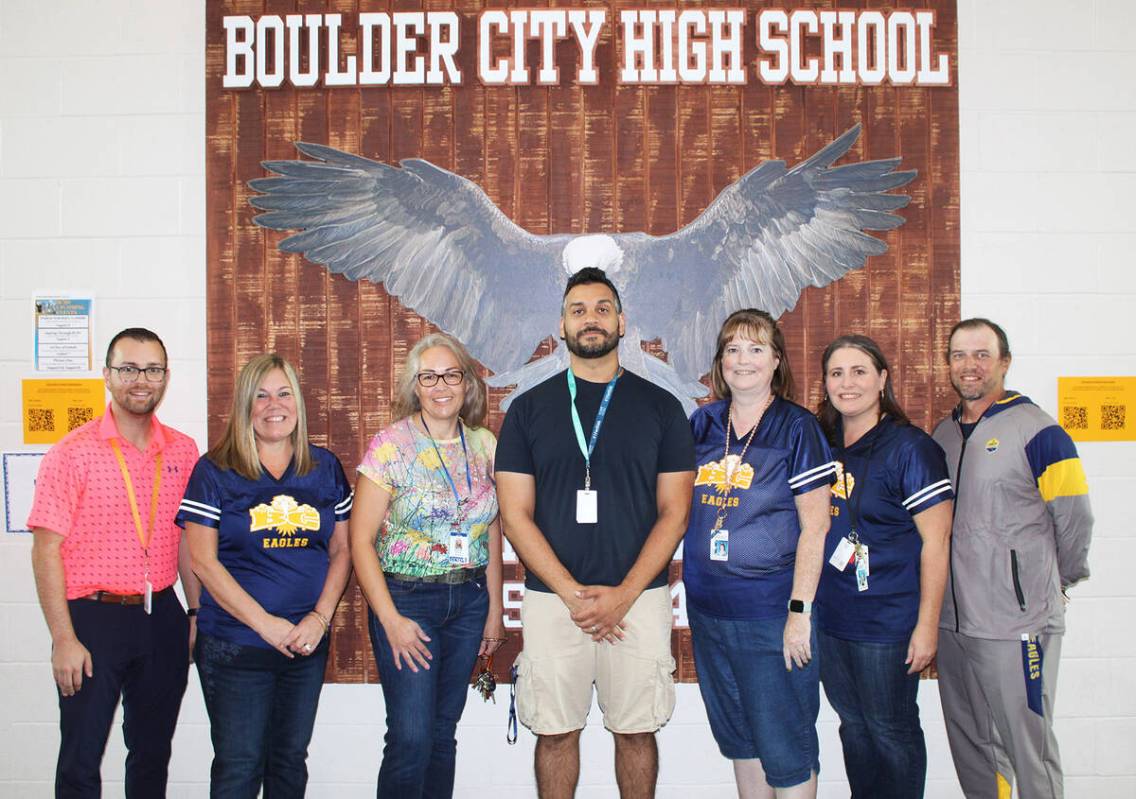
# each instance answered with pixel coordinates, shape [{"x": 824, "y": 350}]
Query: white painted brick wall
[{"x": 102, "y": 191}]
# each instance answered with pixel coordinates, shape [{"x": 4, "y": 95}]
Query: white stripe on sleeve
[{"x": 924, "y": 494}]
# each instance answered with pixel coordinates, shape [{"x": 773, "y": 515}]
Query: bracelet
[
  {"x": 322, "y": 619},
  {"x": 495, "y": 640}
]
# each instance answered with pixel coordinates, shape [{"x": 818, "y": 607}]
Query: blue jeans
[
  {"x": 868, "y": 686},
  {"x": 262, "y": 708},
  {"x": 423, "y": 708},
  {"x": 757, "y": 709}
]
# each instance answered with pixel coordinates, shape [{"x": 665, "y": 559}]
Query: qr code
[
  {"x": 41, "y": 420},
  {"x": 77, "y": 417},
  {"x": 1075, "y": 417},
  {"x": 1112, "y": 417}
]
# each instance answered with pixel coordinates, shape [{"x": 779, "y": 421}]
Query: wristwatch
[{"x": 800, "y": 606}]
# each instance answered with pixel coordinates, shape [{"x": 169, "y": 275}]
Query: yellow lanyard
[{"x": 143, "y": 536}]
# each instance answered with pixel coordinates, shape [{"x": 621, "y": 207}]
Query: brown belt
[{"x": 112, "y": 598}]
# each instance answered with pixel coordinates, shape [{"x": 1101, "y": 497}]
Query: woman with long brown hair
[{"x": 886, "y": 568}]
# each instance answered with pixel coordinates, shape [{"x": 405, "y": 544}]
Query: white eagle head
[{"x": 596, "y": 249}]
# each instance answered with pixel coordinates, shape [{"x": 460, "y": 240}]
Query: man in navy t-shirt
[{"x": 595, "y": 468}]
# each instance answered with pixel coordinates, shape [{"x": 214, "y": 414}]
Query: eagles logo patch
[{"x": 992, "y": 445}]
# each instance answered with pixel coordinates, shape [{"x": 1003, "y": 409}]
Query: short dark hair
[
  {"x": 138, "y": 334},
  {"x": 592, "y": 274},
  {"x": 976, "y": 322},
  {"x": 827, "y": 414}
]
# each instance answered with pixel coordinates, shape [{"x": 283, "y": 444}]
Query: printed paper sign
[
  {"x": 19, "y": 486},
  {"x": 1096, "y": 408},
  {"x": 55, "y": 407},
  {"x": 62, "y": 334}
]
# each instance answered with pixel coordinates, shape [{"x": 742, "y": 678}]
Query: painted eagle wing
[
  {"x": 432, "y": 238},
  {"x": 758, "y": 244}
]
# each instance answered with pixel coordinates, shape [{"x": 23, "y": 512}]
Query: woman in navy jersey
[
  {"x": 752, "y": 556},
  {"x": 265, "y": 514},
  {"x": 886, "y": 568}
]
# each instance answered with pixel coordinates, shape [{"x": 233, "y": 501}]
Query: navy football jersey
[
  {"x": 272, "y": 536},
  {"x": 892, "y": 473},
  {"x": 787, "y": 456}
]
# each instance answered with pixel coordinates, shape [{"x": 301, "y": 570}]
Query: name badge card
[
  {"x": 147, "y": 597},
  {"x": 459, "y": 547},
  {"x": 862, "y": 569},
  {"x": 843, "y": 555},
  {"x": 587, "y": 507},
  {"x": 720, "y": 545}
]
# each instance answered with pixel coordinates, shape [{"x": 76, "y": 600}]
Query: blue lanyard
[
  {"x": 441, "y": 460},
  {"x": 587, "y": 449}
]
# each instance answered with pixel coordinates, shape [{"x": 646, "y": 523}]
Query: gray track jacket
[{"x": 1022, "y": 521}]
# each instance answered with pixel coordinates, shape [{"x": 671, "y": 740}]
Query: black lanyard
[{"x": 854, "y": 506}]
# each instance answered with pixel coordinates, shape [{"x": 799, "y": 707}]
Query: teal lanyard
[
  {"x": 586, "y": 449},
  {"x": 441, "y": 460}
]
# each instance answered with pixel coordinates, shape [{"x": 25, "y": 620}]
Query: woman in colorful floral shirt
[{"x": 426, "y": 545}]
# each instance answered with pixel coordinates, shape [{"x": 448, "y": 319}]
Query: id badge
[
  {"x": 862, "y": 569},
  {"x": 843, "y": 555},
  {"x": 147, "y": 597},
  {"x": 720, "y": 545},
  {"x": 587, "y": 507},
  {"x": 459, "y": 546}
]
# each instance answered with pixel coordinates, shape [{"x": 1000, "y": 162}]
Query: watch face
[{"x": 796, "y": 605}]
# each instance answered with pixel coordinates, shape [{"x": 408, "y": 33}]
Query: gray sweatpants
[{"x": 998, "y": 699}]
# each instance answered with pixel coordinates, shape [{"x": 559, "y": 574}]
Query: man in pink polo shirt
[{"x": 106, "y": 555}]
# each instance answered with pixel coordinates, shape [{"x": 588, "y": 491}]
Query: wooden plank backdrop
[{"x": 567, "y": 158}]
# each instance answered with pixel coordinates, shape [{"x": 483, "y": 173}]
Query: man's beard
[{"x": 597, "y": 350}]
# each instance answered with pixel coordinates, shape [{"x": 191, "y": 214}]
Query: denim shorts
[{"x": 757, "y": 709}]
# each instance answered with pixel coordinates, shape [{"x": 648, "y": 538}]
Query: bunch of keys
[{"x": 486, "y": 683}]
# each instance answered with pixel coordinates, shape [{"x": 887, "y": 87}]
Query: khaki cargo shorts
[{"x": 560, "y": 663}]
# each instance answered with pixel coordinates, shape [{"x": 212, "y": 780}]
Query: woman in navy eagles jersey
[
  {"x": 265, "y": 514},
  {"x": 886, "y": 568},
  {"x": 752, "y": 556}
]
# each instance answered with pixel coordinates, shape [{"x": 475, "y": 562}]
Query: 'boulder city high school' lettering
[{"x": 655, "y": 46}]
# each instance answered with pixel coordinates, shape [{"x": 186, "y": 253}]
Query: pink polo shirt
[{"x": 80, "y": 494}]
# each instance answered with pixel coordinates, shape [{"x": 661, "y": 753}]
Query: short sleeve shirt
[
  {"x": 644, "y": 434},
  {"x": 889, "y": 475},
  {"x": 272, "y": 536},
  {"x": 415, "y": 537},
  {"x": 787, "y": 456},
  {"x": 80, "y": 494}
]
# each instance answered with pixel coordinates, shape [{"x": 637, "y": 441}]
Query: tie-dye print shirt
[{"x": 415, "y": 536}]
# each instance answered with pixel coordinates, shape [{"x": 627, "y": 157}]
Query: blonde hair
[
  {"x": 475, "y": 406},
  {"x": 237, "y": 448},
  {"x": 761, "y": 328}
]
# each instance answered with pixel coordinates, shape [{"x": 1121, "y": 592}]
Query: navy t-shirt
[
  {"x": 272, "y": 536},
  {"x": 787, "y": 456},
  {"x": 891, "y": 473},
  {"x": 644, "y": 434}
]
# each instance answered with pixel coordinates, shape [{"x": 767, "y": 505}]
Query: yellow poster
[
  {"x": 1096, "y": 408},
  {"x": 53, "y": 408}
]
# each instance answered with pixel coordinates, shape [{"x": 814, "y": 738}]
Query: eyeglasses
[
  {"x": 129, "y": 374},
  {"x": 430, "y": 379}
]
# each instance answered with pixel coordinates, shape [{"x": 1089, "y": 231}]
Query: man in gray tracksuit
[{"x": 1020, "y": 538}]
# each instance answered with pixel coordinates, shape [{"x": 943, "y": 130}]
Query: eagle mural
[{"x": 439, "y": 244}]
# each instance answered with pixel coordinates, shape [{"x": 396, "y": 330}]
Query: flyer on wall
[{"x": 62, "y": 334}]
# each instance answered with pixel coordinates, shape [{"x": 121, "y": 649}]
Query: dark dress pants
[{"x": 142, "y": 659}]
